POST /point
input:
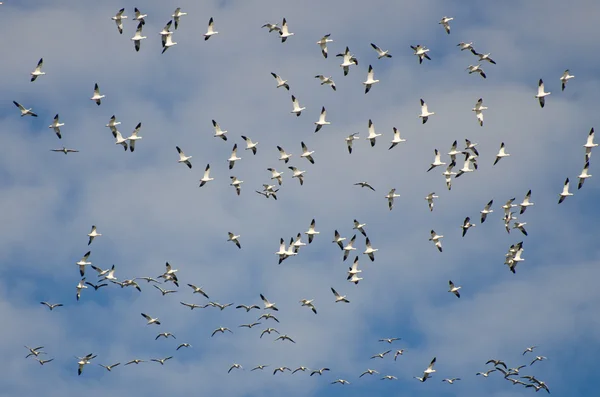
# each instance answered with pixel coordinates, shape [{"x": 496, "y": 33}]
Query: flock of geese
[{"x": 167, "y": 282}]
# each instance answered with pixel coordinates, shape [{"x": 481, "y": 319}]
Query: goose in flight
[
  {"x": 234, "y": 238},
  {"x": 254, "y": 324},
  {"x": 280, "y": 82},
  {"x": 341, "y": 382},
  {"x": 348, "y": 60},
  {"x": 309, "y": 303},
  {"x": 167, "y": 42},
  {"x": 380, "y": 355},
  {"x": 298, "y": 174},
  {"x": 118, "y": 18},
  {"x": 466, "y": 225},
  {"x": 349, "y": 247},
  {"x": 219, "y": 305},
  {"x": 436, "y": 239},
  {"x": 370, "y": 79},
  {"x": 541, "y": 93},
  {"x": 221, "y": 330},
  {"x": 183, "y": 158},
  {"x": 307, "y": 154},
  {"x": 497, "y": 363},
  {"x": 429, "y": 370},
  {"x": 113, "y": 123},
  {"x": 83, "y": 262},
  {"x": 501, "y": 153},
  {"x": 478, "y": 109},
  {"x": 165, "y": 335},
  {"x": 161, "y": 361},
  {"x": 135, "y": 361},
  {"x": 319, "y": 371},
  {"x": 397, "y": 139},
  {"x": 421, "y": 52},
  {"x": 51, "y": 306},
  {"x": 276, "y": 175},
  {"x": 448, "y": 174},
  {"x": 83, "y": 361},
  {"x": 234, "y": 157},
  {"x": 323, "y": 44},
  {"x": 137, "y": 38},
  {"x": 211, "y": 29},
  {"x": 81, "y": 285},
  {"x": 538, "y": 358},
  {"x": 281, "y": 369},
  {"x": 250, "y": 145},
  {"x": 564, "y": 78},
  {"x": 96, "y": 287},
  {"x": 368, "y": 372},
  {"x": 38, "y": 70},
  {"x": 370, "y": 251},
  {"x": 425, "y": 113},
  {"x": 364, "y": 184},
  {"x": 430, "y": 197},
  {"x": 321, "y": 122},
  {"x": 56, "y": 124},
  {"x": 24, "y": 112},
  {"x": 311, "y": 232},
  {"x": 272, "y": 27},
  {"x": 326, "y": 80},
  {"x": 483, "y": 57},
  {"x": 338, "y": 297},
  {"x": 284, "y": 338},
  {"x": 389, "y": 340},
  {"x": 445, "y": 22},
  {"x": 218, "y": 131},
  {"x": 65, "y": 150},
  {"x": 565, "y": 192},
  {"x": 164, "y": 291},
  {"x": 465, "y": 46},
  {"x": 390, "y": 198},
  {"x": 380, "y": 52},
  {"x": 454, "y": 289},
  {"x": 206, "y": 177},
  {"x": 193, "y": 306},
  {"x": 454, "y": 151},
  {"x": 119, "y": 139},
  {"x": 353, "y": 271},
  {"x": 183, "y": 345},
  {"x": 235, "y": 365},
  {"x": 529, "y": 350},
  {"x": 389, "y": 377},
  {"x": 589, "y": 145},
  {"x": 476, "y": 69},
  {"x": 466, "y": 165},
  {"x": 268, "y": 305},
  {"x": 584, "y": 175},
  {"x": 486, "y": 373},
  {"x": 151, "y": 320},
  {"x": 268, "y": 330},
  {"x": 372, "y": 134},
  {"x": 450, "y": 380},
  {"x": 301, "y": 368},
  {"x": 97, "y": 97},
  {"x": 337, "y": 238},
  {"x": 177, "y": 14},
  {"x": 139, "y": 16},
  {"x": 349, "y": 139},
  {"x": 109, "y": 367},
  {"x": 398, "y": 353},
  {"x": 360, "y": 227},
  {"x": 526, "y": 202},
  {"x": 471, "y": 146},
  {"x": 297, "y": 109},
  {"x": 437, "y": 160},
  {"x": 283, "y": 155},
  {"x": 36, "y": 351},
  {"x": 486, "y": 210},
  {"x": 42, "y": 362},
  {"x": 284, "y": 32}
]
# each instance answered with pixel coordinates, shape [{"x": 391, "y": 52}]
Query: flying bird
[
  {"x": 380, "y": 52},
  {"x": 234, "y": 238},
  {"x": 454, "y": 289},
  {"x": 501, "y": 153},
  {"x": 297, "y": 109},
  {"x": 137, "y": 38},
  {"x": 566, "y": 76},
  {"x": 565, "y": 192},
  {"x": 177, "y": 14},
  {"x": 478, "y": 109},
  {"x": 425, "y": 113},
  {"x": 38, "y": 70},
  {"x": 24, "y": 112},
  {"x": 370, "y": 79},
  {"x": 280, "y": 82},
  {"x": 390, "y": 197},
  {"x": 541, "y": 93},
  {"x": 397, "y": 139},
  {"x": 284, "y": 32},
  {"x": 206, "y": 177},
  {"x": 421, "y": 52},
  {"x": 445, "y": 22},
  {"x": 321, "y": 122},
  {"x": 322, "y": 43},
  {"x": 372, "y": 134},
  {"x": 348, "y": 60},
  {"x": 211, "y": 29},
  {"x": 338, "y": 297},
  {"x": 97, "y": 97},
  {"x": 183, "y": 158}
]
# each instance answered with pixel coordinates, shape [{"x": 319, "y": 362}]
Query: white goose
[
  {"x": 134, "y": 137},
  {"x": 297, "y": 109},
  {"x": 206, "y": 177},
  {"x": 235, "y": 182},
  {"x": 589, "y": 145},
  {"x": 436, "y": 239},
  {"x": 311, "y": 232},
  {"x": 445, "y": 22},
  {"x": 168, "y": 42},
  {"x": 276, "y": 175},
  {"x": 348, "y": 60},
  {"x": 526, "y": 202},
  {"x": 541, "y": 94},
  {"x": 56, "y": 124},
  {"x": 97, "y": 97},
  {"x": 151, "y": 320},
  {"x": 338, "y": 239},
  {"x": 118, "y": 18},
  {"x": 284, "y": 32},
  {"x": 250, "y": 145},
  {"x": 584, "y": 175},
  {"x": 307, "y": 154},
  {"x": 478, "y": 109},
  {"x": 454, "y": 289},
  {"x": 430, "y": 197},
  {"x": 24, "y": 112},
  {"x": 390, "y": 198},
  {"x": 38, "y": 70},
  {"x": 326, "y": 80},
  {"x": 183, "y": 158},
  {"x": 176, "y": 15},
  {"x": 370, "y": 251},
  {"x": 421, "y": 52},
  {"x": 323, "y": 44},
  {"x": 280, "y": 82},
  {"x": 139, "y": 16},
  {"x": 397, "y": 139},
  {"x": 349, "y": 247},
  {"x": 338, "y": 297},
  {"x": 370, "y": 79},
  {"x": 83, "y": 262},
  {"x": 234, "y": 157},
  {"x": 219, "y": 133},
  {"x": 425, "y": 113},
  {"x": 298, "y": 174},
  {"x": 349, "y": 139},
  {"x": 501, "y": 153},
  {"x": 486, "y": 210},
  {"x": 137, "y": 38},
  {"x": 321, "y": 122},
  {"x": 211, "y": 29},
  {"x": 476, "y": 69},
  {"x": 283, "y": 155},
  {"x": 235, "y": 238},
  {"x": 93, "y": 234},
  {"x": 564, "y": 78},
  {"x": 380, "y": 52},
  {"x": 565, "y": 192},
  {"x": 268, "y": 305},
  {"x": 437, "y": 160},
  {"x": 372, "y": 134}
]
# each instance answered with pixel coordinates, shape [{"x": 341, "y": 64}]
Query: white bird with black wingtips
[
  {"x": 38, "y": 70},
  {"x": 211, "y": 29},
  {"x": 234, "y": 238},
  {"x": 381, "y": 53},
  {"x": 501, "y": 153},
  {"x": 206, "y": 177},
  {"x": 137, "y": 38},
  {"x": 280, "y": 82},
  {"x": 321, "y": 122},
  {"x": 97, "y": 97},
  {"x": 372, "y": 134},
  {"x": 322, "y": 43},
  {"x": 478, "y": 109},
  {"x": 425, "y": 113},
  {"x": 370, "y": 80},
  {"x": 541, "y": 93},
  {"x": 183, "y": 158},
  {"x": 454, "y": 289}
]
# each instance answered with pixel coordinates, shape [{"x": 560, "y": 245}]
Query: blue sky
[{"x": 150, "y": 209}]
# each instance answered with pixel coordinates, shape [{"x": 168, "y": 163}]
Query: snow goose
[
  {"x": 353, "y": 270},
  {"x": 445, "y": 22},
  {"x": 538, "y": 358},
  {"x": 301, "y": 368},
  {"x": 526, "y": 202},
  {"x": 284, "y": 32},
  {"x": 268, "y": 305},
  {"x": 390, "y": 198},
  {"x": 183, "y": 158},
  {"x": 501, "y": 153},
  {"x": 380, "y": 52},
  {"x": 97, "y": 97},
  {"x": 261, "y": 367},
  {"x": 429, "y": 370},
  {"x": 93, "y": 234},
  {"x": 268, "y": 330},
  {"x": 218, "y": 131},
  {"x": 370, "y": 251},
  {"x": 183, "y": 345},
  {"x": 250, "y": 145},
  {"x": 297, "y": 109},
  {"x": 584, "y": 175},
  {"x": 193, "y": 306},
  {"x": 370, "y": 80},
  {"x": 326, "y": 80},
  {"x": 211, "y": 29},
  {"x": 421, "y": 52},
  {"x": 164, "y": 291},
  {"x": 349, "y": 247},
  {"x": 236, "y": 366},
  {"x": 465, "y": 46},
  {"x": 323, "y": 44},
  {"x": 247, "y": 307},
  {"x": 364, "y": 184},
  {"x": 38, "y": 70},
  {"x": 309, "y": 303},
  {"x": 56, "y": 124},
  {"x": 96, "y": 287},
  {"x": 319, "y": 371},
  {"x": 483, "y": 57},
  {"x": 236, "y": 183},
  {"x": 521, "y": 227},
  {"x": 165, "y": 335},
  {"x": 448, "y": 174},
  {"x": 360, "y": 227},
  {"x": 564, "y": 78},
  {"x": 454, "y": 289},
  {"x": 283, "y": 156},
  {"x": 24, "y": 112},
  {"x": 430, "y": 197},
  {"x": 368, "y": 372},
  {"x": 437, "y": 160},
  {"x": 372, "y": 134},
  {"x": 221, "y": 330},
  {"x": 113, "y": 123},
  {"x": 109, "y": 367},
  {"x": 337, "y": 239},
  {"x": 119, "y": 140},
  {"x": 134, "y": 137},
  {"x": 565, "y": 192},
  {"x": 166, "y": 31},
  {"x": 151, "y": 320},
  {"x": 307, "y": 154},
  {"x": 321, "y": 122},
  {"x": 280, "y": 82},
  {"x": 348, "y": 60},
  {"x": 177, "y": 15},
  {"x": 273, "y": 27},
  {"x": 486, "y": 373},
  {"x": 198, "y": 290},
  {"x": 276, "y": 175},
  {"x": 589, "y": 145},
  {"x": 476, "y": 69},
  {"x": 281, "y": 369},
  {"x": 471, "y": 146},
  {"x": 486, "y": 210},
  {"x": 161, "y": 361},
  {"x": 389, "y": 340},
  {"x": 65, "y": 150},
  {"x": 397, "y": 139},
  {"x": 206, "y": 177},
  {"x": 298, "y": 174},
  {"x": 398, "y": 353},
  {"x": 168, "y": 42},
  {"x": 338, "y": 297},
  {"x": 425, "y": 113},
  {"x": 380, "y": 355},
  {"x": 436, "y": 239},
  {"x": 311, "y": 232},
  {"x": 83, "y": 361},
  {"x": 135, "y": 361},
  {"x": 541, "y": 93},
  {"x": 283, "y": 338},
  {"x": 234, "y": 238},
  {"x": 466, "y": 225},
  {"x": 139, "y": 16},
  {"x": 234, "y": 157},
  {"x": 529, "y": 350},
  {"x": 83, "y": 262},
  {"x": 137, "y": 38},
  {"x": 34, "y": 351},
  {"x": 51, "y": 306},
  {"x": 118, "y": 18},
  {"x": 81, "y": 285},
  {"x": 478, "y": 109},
  {"x": 341, "y": 382},
  {"x": 349, "y": 139},
  {"x": 450, "y": 380}
]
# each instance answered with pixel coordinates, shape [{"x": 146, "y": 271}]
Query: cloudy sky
[{"x": 150, "y": 209}]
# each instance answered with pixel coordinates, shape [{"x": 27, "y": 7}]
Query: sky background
[{"x": 150, "y": 209}]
